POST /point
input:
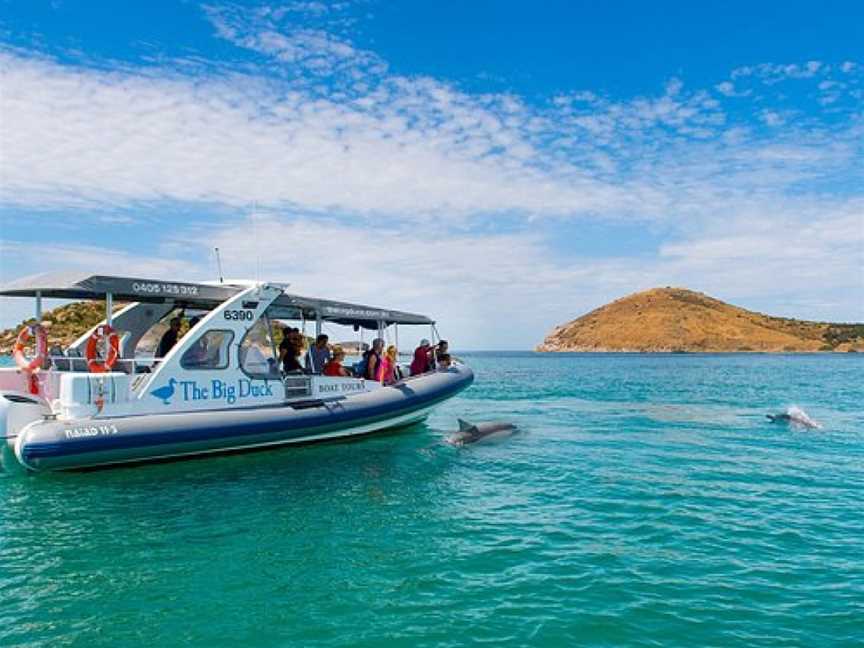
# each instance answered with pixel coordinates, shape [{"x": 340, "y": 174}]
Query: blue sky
[{"x": 503, "y": 166}]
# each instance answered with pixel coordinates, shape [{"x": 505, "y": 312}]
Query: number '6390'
[{"x": 241, "y": 315}]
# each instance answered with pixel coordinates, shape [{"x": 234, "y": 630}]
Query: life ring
[
  {"x": 96, "y": 364},
  {"x": 34, "y": 365}
]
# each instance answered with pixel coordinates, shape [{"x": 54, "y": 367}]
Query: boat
[{"x": 106, "y": 400}]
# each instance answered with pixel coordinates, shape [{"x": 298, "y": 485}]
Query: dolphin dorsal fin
[{"x": 464, "y": 425}]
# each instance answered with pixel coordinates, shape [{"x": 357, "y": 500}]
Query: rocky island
[{"x": 677, "y": 320}]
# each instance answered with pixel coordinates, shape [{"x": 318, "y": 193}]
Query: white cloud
[
  {"x": 774, "y": 73},
  {"x": 78, "y": 136},
  {"x": 674, "y": 86},
  {"x": 831, "y": 91},
  {"x": 408, "y": 148},
  {"x": 771, "y": 118},
  {"x": 267, "y": 31},
  {"x": 727, "y": 88}
]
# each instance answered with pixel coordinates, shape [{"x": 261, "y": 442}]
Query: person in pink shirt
[{"x": 387, "y": 366}]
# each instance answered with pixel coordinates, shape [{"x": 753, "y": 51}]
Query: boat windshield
[
  {"x": 258, "y": 358},
  {"x": 210, "y": 351}
]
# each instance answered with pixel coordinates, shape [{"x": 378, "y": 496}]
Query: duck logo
[{"x": 165, "y": 392}]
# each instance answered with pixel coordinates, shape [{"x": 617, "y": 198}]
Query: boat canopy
[{"x": 70, "y": 285}]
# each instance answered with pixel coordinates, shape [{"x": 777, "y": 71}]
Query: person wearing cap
[
  {"x": 422, "y": 360},
  {"x": 334, "y": 365}
]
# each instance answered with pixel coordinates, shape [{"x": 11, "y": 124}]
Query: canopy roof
[{"x": 70, "y": 285}]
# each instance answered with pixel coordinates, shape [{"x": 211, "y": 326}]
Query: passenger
[
  {"x": 169, "y": 338},
  {"x": 284, "y": 342},
  {"x": 318, "y": 356},
  {"x": 444, "y": 362},
  {"x": 334, "y": 365},
  {"x": 289, "y": 350},
  {"x": 56, "y": 359},
  {"x": 198, "y": 354},
  {"x": 440, "y": 349},
  {"x": 420, "y": 363},
  {"x": 299, "y": 340},
  {"x": 387, "y": 366},
  {"x": 372, "y": 358},
  {"x": 298, "y": 343}
]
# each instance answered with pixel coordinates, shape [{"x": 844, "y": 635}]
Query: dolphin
[
  {"x": 470, "y": 433},
  {"x": 794, "y": 416}
]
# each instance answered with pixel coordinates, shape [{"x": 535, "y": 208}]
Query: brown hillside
[
  {"x": 64, "y": 324},
  {"x": 676, "y": 319}
]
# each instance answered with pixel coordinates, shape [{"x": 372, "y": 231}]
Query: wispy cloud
[
  {"x": 74, "y": 136},
  {"x": 774, "y": 73},
  {"x": 275, "y": 32},
  {"x": 79, "y": 135}
]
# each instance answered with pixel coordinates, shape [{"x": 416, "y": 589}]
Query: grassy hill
[
  {"x": 64, "y": 324},
  {"x": 678, "y": 320}
]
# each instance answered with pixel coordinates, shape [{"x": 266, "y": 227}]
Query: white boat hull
[{"x": 49, "y": 444}]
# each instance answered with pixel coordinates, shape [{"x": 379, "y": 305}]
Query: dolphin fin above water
[{"x": 471, "y": 433}]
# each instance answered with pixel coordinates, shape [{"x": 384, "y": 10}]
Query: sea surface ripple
[{"x": 646, "y": 502}]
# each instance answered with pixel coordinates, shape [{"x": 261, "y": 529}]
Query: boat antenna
[{"x": 219, "y": 265}]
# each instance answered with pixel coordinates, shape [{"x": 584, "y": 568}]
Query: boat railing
[{"x": 127, "y": 365}]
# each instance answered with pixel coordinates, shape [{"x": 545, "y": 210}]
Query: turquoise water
[{"x": 647, "y": 502}]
